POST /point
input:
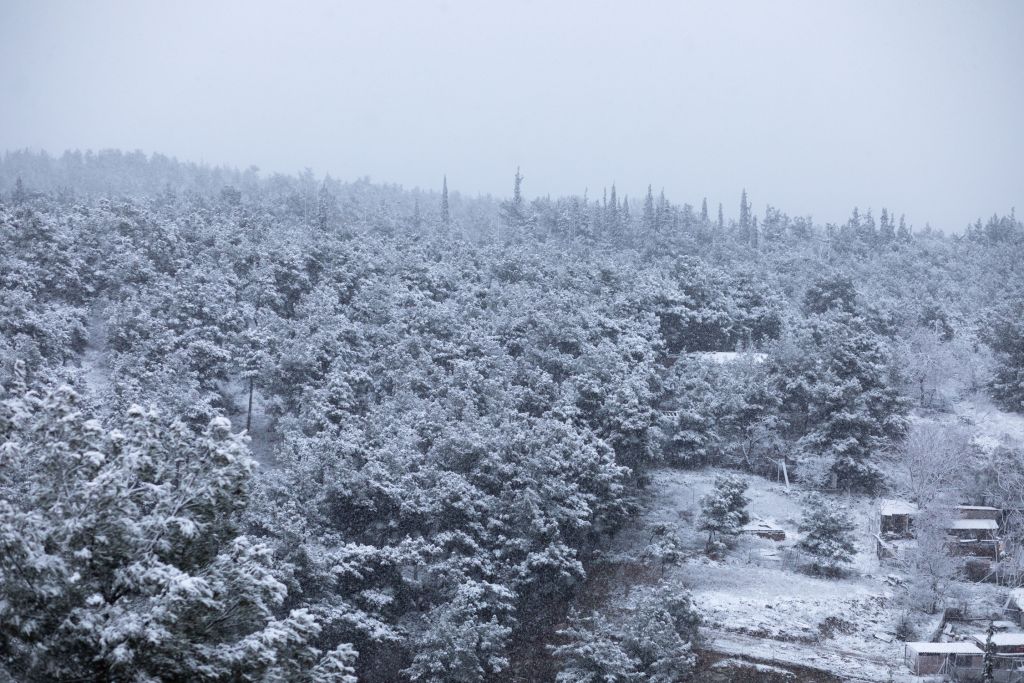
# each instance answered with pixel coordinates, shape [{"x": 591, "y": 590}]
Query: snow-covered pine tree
[
  {"x": 724, "y": 511},
  {"x": 592, "y": 652},
  {"x": 745, "y": 233},
  {"x": 828, "y": 536},
  {"x": 446, "y": 213}
]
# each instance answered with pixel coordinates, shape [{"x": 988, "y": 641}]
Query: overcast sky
[{"x": 813, "y": 106}]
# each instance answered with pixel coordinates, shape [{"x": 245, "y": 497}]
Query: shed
[
  {"x": 1006, "y": 643},
  {"x": 975, "y": 537},
  {"x": 978, "y": 512},
  {"x": 974, "y": 527},
  {"x": 764, "y": 529},
  {"x": 938, "y": 658},
  {"x": 896, "y": 518}
]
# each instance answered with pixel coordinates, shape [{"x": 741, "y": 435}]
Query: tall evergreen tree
[
  {"x": 903, "y": 232},
  {"x": 886, "y": 229},
  {"x": 704, "y": 212},
  {"x": 745, "y": 232},
  {"x": 323, "y": 207},
  {"x": 514, "y": 212},
  {"x": 446, "y": 214},
  {"x": 648, "y": 216},
  {"x": 613, "y": 219}
]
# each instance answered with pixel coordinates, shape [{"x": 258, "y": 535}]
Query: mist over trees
[{"x": 454, "y": 403}]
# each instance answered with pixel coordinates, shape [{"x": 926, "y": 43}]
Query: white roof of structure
[
  {"x": 989, "y": 524},
  {"x": 897, "y": 507},
  {"x": 977, "y": 507},
  {"x": 958, "y": 648},
  {"x": 1001, "y": 639},
  {"x": 730, "y": 356}
]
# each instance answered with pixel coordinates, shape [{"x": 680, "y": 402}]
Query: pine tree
[
  {"x": 613, "y": 219},
  {"x": 903, "y": 232},
  {"x": 724, "y": 511},
  {"x": 446, "y": 215},
  {"x": 886, "y": 230},
  {"x": 1004, "y": 333},
  {"x": 417, "y": 216},
  {"x": 721, "y": 218},
  {"x": 648, "y": 216},
  {"x": 323, "y": 207},
  {"x": 745, "y": 234},
  {"x": 827, "y": 535},
  {"x": 868, "y": 231},
  {"x": 593, "y": 652},
  {"x": 514, "y": 212},
  {"x": 662, "y": 212}
]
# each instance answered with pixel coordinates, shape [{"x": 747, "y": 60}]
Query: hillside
[{"x": 494, "y": 440}]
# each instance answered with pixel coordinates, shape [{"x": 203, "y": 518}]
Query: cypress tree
[{"x": 446, "y": 216}]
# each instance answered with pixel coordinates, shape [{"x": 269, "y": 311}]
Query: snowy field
[{"x": 758, "y": 603}]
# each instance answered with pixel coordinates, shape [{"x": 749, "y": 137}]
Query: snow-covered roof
[
  {"x": 982, "y": 524},
  {"x": 958, "y": 648},
  {"x": 977, "y": 507},
  {"x": 889, "y": 508},
  {"x": 1001, "y": 639},
  {"x": 730, "y": 356}
]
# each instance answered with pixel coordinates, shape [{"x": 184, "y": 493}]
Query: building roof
[
  {"x": 957, "y": 648},
  {"x": 981, "y": 524},
  {"x": 1002, "y": 639},
  {"x": 977, "y": 507},
  {"x": 889, "y": 508}
]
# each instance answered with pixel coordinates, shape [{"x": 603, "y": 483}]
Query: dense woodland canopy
[{"x": 453, "y": 402}]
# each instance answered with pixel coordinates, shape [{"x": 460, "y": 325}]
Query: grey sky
[{"x": 812, "y": 106}]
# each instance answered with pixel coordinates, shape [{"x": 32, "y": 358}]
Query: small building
[
  {"x": 979, "y": 512},
  {"x": 925, "y": 659},
  {"x": 1005, "y": 643},
  {"x": 896, "y": 518},
  {"x": 770, "y": 534},
  {"x": 975, "y": 537}
]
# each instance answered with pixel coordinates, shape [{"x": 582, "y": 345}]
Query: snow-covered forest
[{"x": 284, "y": 428}]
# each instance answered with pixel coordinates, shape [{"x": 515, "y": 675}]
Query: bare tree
[
  {"x": 934, "y": 461},
  {"x": 931, "y": 567}
]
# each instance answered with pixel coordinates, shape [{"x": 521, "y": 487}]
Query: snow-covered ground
[
  {"x": 991, "y": 425},
  {"x": 758, "y": 603}
]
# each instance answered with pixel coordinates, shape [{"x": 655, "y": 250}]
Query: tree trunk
[{"x": 248, "y": 415}]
